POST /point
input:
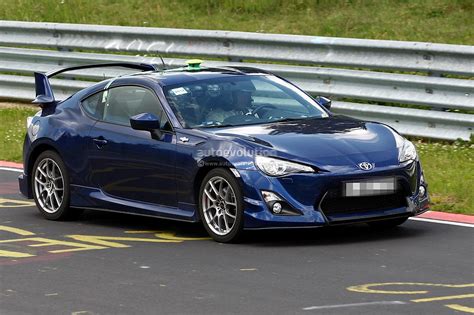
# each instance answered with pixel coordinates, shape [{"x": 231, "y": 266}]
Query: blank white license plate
[{"x": 380, "y": 186}]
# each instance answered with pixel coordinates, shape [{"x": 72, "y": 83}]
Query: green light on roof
[{"x": 194, "y": 64}]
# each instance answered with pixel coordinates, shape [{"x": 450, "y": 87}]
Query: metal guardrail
[
  {"x": 339, "y": 83},
  {"x": 430, "y": 91},
  {"x": 375, "y": 54},
  {"x": 409, "y": 121}
]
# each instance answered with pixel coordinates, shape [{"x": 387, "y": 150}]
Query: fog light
[
  {"x": 277, "y": 205},
  {"x": 269, "y": 196},
  {"x": 422, "y": 191},
  {"x": 276, "y": 208}
]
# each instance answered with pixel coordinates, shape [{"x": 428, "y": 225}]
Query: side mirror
[
  {"x": 324, "y": 101},
  {"x": 148, "y": 122},
  {"x": 145, "y": 121}
]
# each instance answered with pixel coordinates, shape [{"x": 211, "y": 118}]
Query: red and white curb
[
  {"x": 429, "y": 216},
  {"x": 446, "y": 218},
  {"x": 11, "y": 166}
]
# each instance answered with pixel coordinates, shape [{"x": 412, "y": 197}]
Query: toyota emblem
[{"x": 366, "y": 166}]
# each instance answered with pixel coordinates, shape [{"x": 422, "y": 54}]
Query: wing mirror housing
[
  {"x": 148, "y": 122},
  {"x": 324, "y": 101}
]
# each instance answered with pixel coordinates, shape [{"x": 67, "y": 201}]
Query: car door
[{"x": 127, "y": 163}]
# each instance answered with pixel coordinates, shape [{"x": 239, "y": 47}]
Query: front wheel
[
  {"x": 221, "y": 205},
  {"x": 50, "y": 183}
]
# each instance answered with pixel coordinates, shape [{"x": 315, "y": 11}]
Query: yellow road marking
[
  {"x": 50, "y": 242},
  {"x": 172, "y": 236},
  {"x": 442, "y": 298},
  {"x": 367, "y": 288},
  {"x": 11, "y": 254},
  {"x": 169, "y": 236},
  {"x": 15, "y": 230},
  {"x": 461, "y": 308},
  {"x": 6, "y": 203},
  {"x": 141, "y": 232},
  {"x": 106, "y": 240},
  {"x": 98, "y": 242}
]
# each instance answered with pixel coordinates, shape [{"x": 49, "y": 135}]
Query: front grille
[{"x": 337, "y": 205}]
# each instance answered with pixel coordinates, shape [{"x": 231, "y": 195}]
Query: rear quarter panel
[{"x": 65, "y": 129}]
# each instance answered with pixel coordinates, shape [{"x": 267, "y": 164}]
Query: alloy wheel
[
  {"x": 49, "y": 185},
  {"x": 219, "y": 205}
]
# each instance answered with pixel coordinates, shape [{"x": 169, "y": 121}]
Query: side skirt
[{"x": 95, "y": 199}]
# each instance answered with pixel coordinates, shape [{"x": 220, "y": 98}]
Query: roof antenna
[{"x": 163, "y": 62}]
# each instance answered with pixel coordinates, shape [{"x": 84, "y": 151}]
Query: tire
[
  {"x": 50, "y": 186},
  {"x": 387, "y": 224},
  {"x": 221, "y": 206}
]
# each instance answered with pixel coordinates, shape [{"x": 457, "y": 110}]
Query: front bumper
[
  {"x": 305, "y": 192},
  {"x": 25, "y": 187}
]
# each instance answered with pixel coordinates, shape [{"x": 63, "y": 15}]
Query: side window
[
  {"x": 94, "y": 105},
  {"x": 127, "y": 101}
]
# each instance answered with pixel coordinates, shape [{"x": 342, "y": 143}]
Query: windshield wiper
[
  {"x": 290, "y": 119},
  {"x": 218, "y": 126}
]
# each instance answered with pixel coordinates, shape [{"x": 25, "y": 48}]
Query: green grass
[
  {"x": 449, "y": 168},
  {"x": 449, "y": 171},
  {"x": 12, "y": 132},
  {"x": 444, "y": 21}
]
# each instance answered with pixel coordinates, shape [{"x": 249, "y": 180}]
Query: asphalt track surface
[{"x": 107, "y": 263}]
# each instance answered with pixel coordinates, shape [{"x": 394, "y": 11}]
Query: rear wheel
[
  {"x": 386, "y": 224},
  {"x": 50, "y": 182},
  {"x": 221, "y": 205}
]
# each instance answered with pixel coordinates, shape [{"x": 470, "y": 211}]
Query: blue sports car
[{"x": 234, "y": 147}]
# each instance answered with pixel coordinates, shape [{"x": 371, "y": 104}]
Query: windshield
[{"x": 239, "y": 100}]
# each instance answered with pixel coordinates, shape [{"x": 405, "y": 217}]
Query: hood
[{"x": 336, "y": 141}]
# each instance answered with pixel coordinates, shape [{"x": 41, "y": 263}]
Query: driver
[{"x": 241, "y": 105}]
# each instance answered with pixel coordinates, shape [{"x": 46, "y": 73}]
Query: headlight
[
  {"x": 277, "y": 167},
  {"x": 407, "y": 152}
]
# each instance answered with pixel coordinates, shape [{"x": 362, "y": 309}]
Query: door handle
[{"x": 100, "y": 142}]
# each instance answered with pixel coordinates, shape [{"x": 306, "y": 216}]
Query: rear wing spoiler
[{"x": 44, "y": 92}]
